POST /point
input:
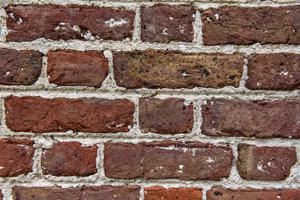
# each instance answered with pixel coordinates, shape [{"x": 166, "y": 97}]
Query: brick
[
  {"x": 58, "y": 22},
  {"x": 15, "y": 157},
  {"x": 277, "y": 71},
  {"x": 77, "y": 68},
  {"x": 159, "y": 69},
  {"x": 265, "y": 163},
  {"x": 165, "y": 23},
  {"x": 253, "y": 194},
  {"x": 163, "y": 160},
  {"x": 79, "y": 193},
  {"x": 69, "y": 159},
  {"x": 19, "y": 67},
  {"x": 262, "y": 119},
  {"x": 154, "y": 193},
  {"x": 39, "y": 115},
  {"x": 165, "y": 116},
  {"x": 246, "y": 25}
]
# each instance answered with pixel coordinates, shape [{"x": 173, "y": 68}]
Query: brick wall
[{"x": 141, "y": 100}]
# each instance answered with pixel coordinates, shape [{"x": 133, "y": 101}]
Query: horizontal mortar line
[
  {"x": 114, "y": 93},
  {"x": 88, "y": 139},
  {"x": 44, "y": 45},
  {"x": 57, "y": 181},
  {"x": 131, "y": 3}
]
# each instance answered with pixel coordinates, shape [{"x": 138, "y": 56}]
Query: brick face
[
  {"x": 262, "y": 119},
  {"x": 75, "y": 68},
  {"x": 164, "y": 23},
  {"x": 154, "y": 193},
  {"x": 158, "y": 69},
  {"x": 69, "y": 159},
  {"x": 167, "y": 116},
  {"x": 265, "y": 163},
  {"x": 237, "y": 25},
  {"x": 274, "y": 72},
  {"x": 35, "y": 114},
  {"x": 253, "y": 194},
  {"x": 86, "y": 193},
  {"x": 55, "y": 22},
  {"x": 16, "y": 157},
  {"x": 162, "y": 160},
  {"x": 19, "y": 67}
]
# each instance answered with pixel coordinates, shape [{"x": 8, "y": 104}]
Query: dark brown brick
[
  {"x": 30, "y": 22},
  {"x": 265, "y": 163},
  {"x": 166, "y": 23},
  {"x": 278, "y": 71},
  {"x": 161, "y": 160},
  {"x": 253, "y": 194},
  {"x": 166, "y": 116},
  {"x": 19, "y": 67},
  {"x": 246, "y": 25},
  {"x": 69, "y": 159},
  {"x": 159, "y": 69},
  {"x": 39, "y": 115},
  {"x": 156, "y": 192},
  {"x": 80, "y": 193},
  {"x": 15, "y": 157},
  {"x": 77, "y": 68},
  {"x": 263, "y": 119}
]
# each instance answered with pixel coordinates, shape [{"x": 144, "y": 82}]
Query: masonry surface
[{"x": 149, "y": 100}]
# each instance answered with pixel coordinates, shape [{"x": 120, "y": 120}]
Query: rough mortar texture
[{"x": 148, "y": 99}]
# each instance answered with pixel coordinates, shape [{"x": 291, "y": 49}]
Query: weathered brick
[
  {"x": 159, "y": 69},
  {"x": 265, "y": 163},
  {"x": 160, "y": 160},
  {"x": 69, "y": 159},
  {"x": 166, "y": 23},
  {"x": 246, "y": 25},
  {"x": 36, "y": 114},
  {"x": 253, "y": 194},
  {"x": 166, "y": 116},
  {"x": 19, "y": 67},
  {"x": 277, "y": 71},
  {"x": 80, "y": 193},
  {"x": 154, "y": 193},
  {"x": 15, "y": 157},
  {"x": 30, "y": 22},
  {"x": 77, "y": 68},
  {"x": 263, "y": 119}
]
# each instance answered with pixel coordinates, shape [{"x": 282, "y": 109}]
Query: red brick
[
  {"x": 15, "y": 157},
  {"x": 166, "y": 116},
  {"x": 80, "y": 193},
  {"x": 155, "y": 193},
  {"x": 19, "y": 67},
  {"x": 277, "y": 71},
  {"x": 246, "y": 25},
  {"x": 165, "y": 23},
  {"x": 56, "y": 22},
  {"x": 265, "y": 163},
  {"x": 262, "y": 119},
  {"x": 161, "y": 160},
  {"x": 69, "y": 159},
  {"x": 39, "y": 115},
  {"x": 169, "y": 69},
  {"x": 77, "y": 68},
  {"x": 253, "y": 194}
]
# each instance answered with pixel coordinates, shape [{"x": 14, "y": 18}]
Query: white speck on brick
[
  {"x": 164, "y": 32},
  {"x": 115, "y": 22},
  {"x": 284, "y": 73},
  {"x": 210, "y": 160},
  {"x": 217, "y": 16}
]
